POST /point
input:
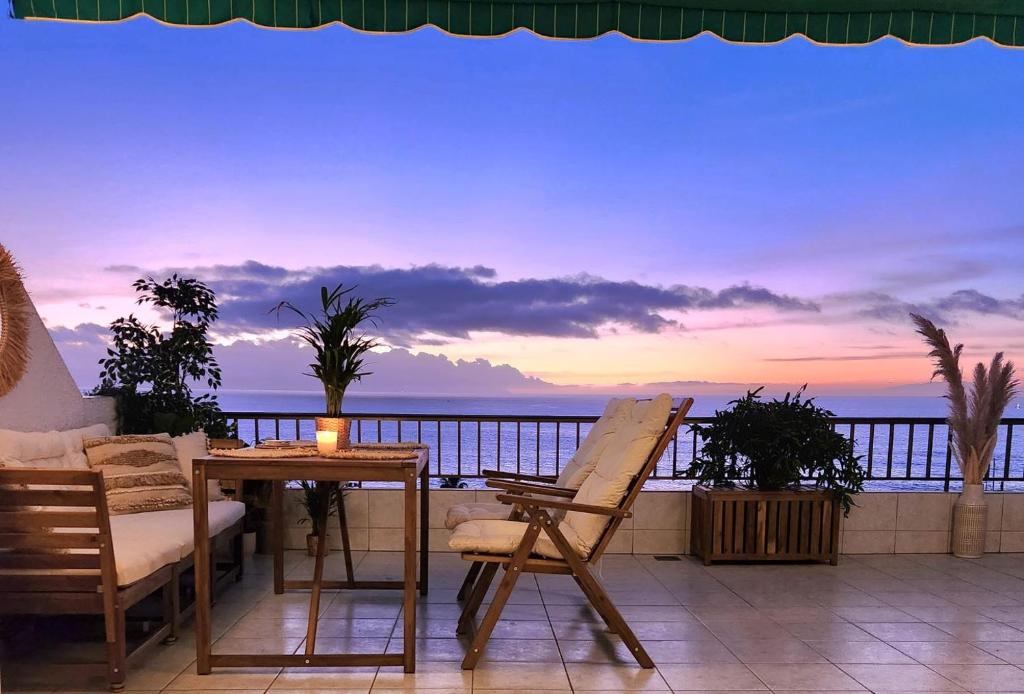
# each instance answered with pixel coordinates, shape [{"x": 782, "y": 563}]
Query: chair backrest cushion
[
  {"x": 595, "y": 443},
  {"x": 623, "y": 460}
]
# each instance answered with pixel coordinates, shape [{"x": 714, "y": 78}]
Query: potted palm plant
[
  {"x": 973, "y": 427},
  {"x": 313, "y": 499},
  {"x": 339, "y": 345}
]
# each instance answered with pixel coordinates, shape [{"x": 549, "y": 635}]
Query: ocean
[{"x": 461, "y": 450}]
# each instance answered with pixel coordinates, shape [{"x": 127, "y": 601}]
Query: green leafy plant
[
  {"x": 973, "y": 418},
  {"x": 339, "y": 344},
  {"x": 314, "y": 496},
  {"x": 151, "y": 371},
  {"x": 776, "y": 444}
]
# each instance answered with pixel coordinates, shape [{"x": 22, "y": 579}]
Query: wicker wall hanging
[{"x": 14, "y": 311}]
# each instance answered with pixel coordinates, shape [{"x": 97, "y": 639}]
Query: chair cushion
[
  {"x": 140, "y": 473},
  {"x": 582, "y": 463},
  {"x": 475, "y": 510},
  {"x": 622, "y": 461},
  {"x": 503, "y": 537},
  {"x": 145, "y": 542},
  {"x": 594, "y": 444}
]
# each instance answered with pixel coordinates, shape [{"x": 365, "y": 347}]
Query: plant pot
[
  {"x": 311, "y": 542},
  {"x": 741, "y": 524},
  {"x": 332, "y": 434},
  {"x": 248, "y": 545},
  {"x": 970, "y": 520}
]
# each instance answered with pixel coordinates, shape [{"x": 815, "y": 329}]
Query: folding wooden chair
[
  {"x": 556, "y": 535},
  {"x": 564, "y": 485}
]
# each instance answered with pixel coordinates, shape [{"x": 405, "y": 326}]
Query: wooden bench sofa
[{"x": 62, "y": 553}]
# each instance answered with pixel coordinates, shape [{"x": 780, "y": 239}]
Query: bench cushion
[
  {"x": 49, "y": 450},
  {"x": 145, "y": 542}
]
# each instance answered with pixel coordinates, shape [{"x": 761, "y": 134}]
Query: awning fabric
[{"x": 844, "y": 22}]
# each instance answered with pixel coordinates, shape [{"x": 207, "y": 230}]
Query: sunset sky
[{"x": 588, "y": 213}]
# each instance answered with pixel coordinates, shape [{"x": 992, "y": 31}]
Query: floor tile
[
  {"x": 944, "y": 652},
  {"x": 820, "y": 677},
  {"x": 614, "y": 678},
  {"x": 710, "y": 677},
  {"x": 990, "y": 678},
  {"x": 859, "y": 652},
  {"x": 899, "y": 678},
  {"x": 525, "y": 676}
]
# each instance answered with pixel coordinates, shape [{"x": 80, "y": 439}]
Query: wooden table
[{"x": 331, "y": 471}]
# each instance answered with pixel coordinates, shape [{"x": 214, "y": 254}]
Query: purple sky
[{"x": 589, "y": 213}]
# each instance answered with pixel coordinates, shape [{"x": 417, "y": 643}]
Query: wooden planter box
[{"x": 740, "y": 524}]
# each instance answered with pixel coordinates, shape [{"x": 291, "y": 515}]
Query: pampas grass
[
  {"x": 14, "y": 310},
  {"x": 973, "y": 418}
]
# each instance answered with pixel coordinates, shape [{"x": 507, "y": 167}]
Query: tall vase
[
  {"x": 332, "y": 434},
  {"x": 970, "y": 519}
]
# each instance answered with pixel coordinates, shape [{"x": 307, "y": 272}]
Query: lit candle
[{"x": 326, "y": 442}]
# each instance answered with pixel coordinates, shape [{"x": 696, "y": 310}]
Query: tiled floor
[{"x": 879, "y": 623}]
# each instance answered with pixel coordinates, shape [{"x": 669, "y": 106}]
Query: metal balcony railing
[{"x": 902, "y": 452}]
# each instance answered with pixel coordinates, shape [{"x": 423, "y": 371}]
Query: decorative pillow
[
  {"x": 189, "y": 447},
  {"x": 140, "y": 473},
  {"x": 52, "y": 450}
]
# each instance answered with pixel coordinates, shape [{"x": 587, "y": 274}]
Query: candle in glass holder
[{"x": 326, "y": 442}]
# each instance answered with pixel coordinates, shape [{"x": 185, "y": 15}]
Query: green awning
[{"x": 844, "y": 22}]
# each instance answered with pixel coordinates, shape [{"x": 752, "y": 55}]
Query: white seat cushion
[
  {"x": 145, "y": 542},
  {"x": 503, "y": 537},
  {"x": 475, "y": 510}
]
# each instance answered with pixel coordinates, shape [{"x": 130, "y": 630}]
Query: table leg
[
  {"x": 201, "y": 526},
  {"x": 409, "y": 603},
  {"x": 326, "y": 488},
  {"x": 277, "y": 534},
  {"x": 346, "y": 546},
  {"x": 424, "y": 527}
]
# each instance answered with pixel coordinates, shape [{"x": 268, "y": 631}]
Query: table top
[{"x": 369, "y": 468}]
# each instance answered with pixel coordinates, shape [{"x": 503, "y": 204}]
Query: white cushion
[
  {"x": 475, "y": 510},
  {"x": 625, "y": 457},
  {"x": 594, "y": 444},
  {"x": 189, "y": 447},
  {"x": 145, "y": 542},
  {"x": 503, "y": 537},
  {"x": 52, "y": 450},
  {"x": 582, "y": 463}
]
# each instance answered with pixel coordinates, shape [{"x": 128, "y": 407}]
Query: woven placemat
[{"x": 363, "y": 451}]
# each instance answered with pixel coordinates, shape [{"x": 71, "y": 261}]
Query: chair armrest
[
  {"x": 526, "y": 488},
  {"x": 516, "y": 476},
  {"x": 562, "y": 505}
]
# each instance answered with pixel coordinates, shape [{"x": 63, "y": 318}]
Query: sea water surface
[{"x": 461, "y": 450}]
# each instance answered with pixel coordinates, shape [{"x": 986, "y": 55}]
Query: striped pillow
[{"x": 140, "y": 473}]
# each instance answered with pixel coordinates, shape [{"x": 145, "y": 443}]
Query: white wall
[
  {"x": 881, "y": 523},
  {"x": 47, "y": 397}
]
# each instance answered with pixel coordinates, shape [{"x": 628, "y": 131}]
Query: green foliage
[
  {"x": 150, "y": 372},
  {"x": 335, "y": 334},
  {"x": 774, "y": 445},
  {"x": 314, "y": 496}
]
